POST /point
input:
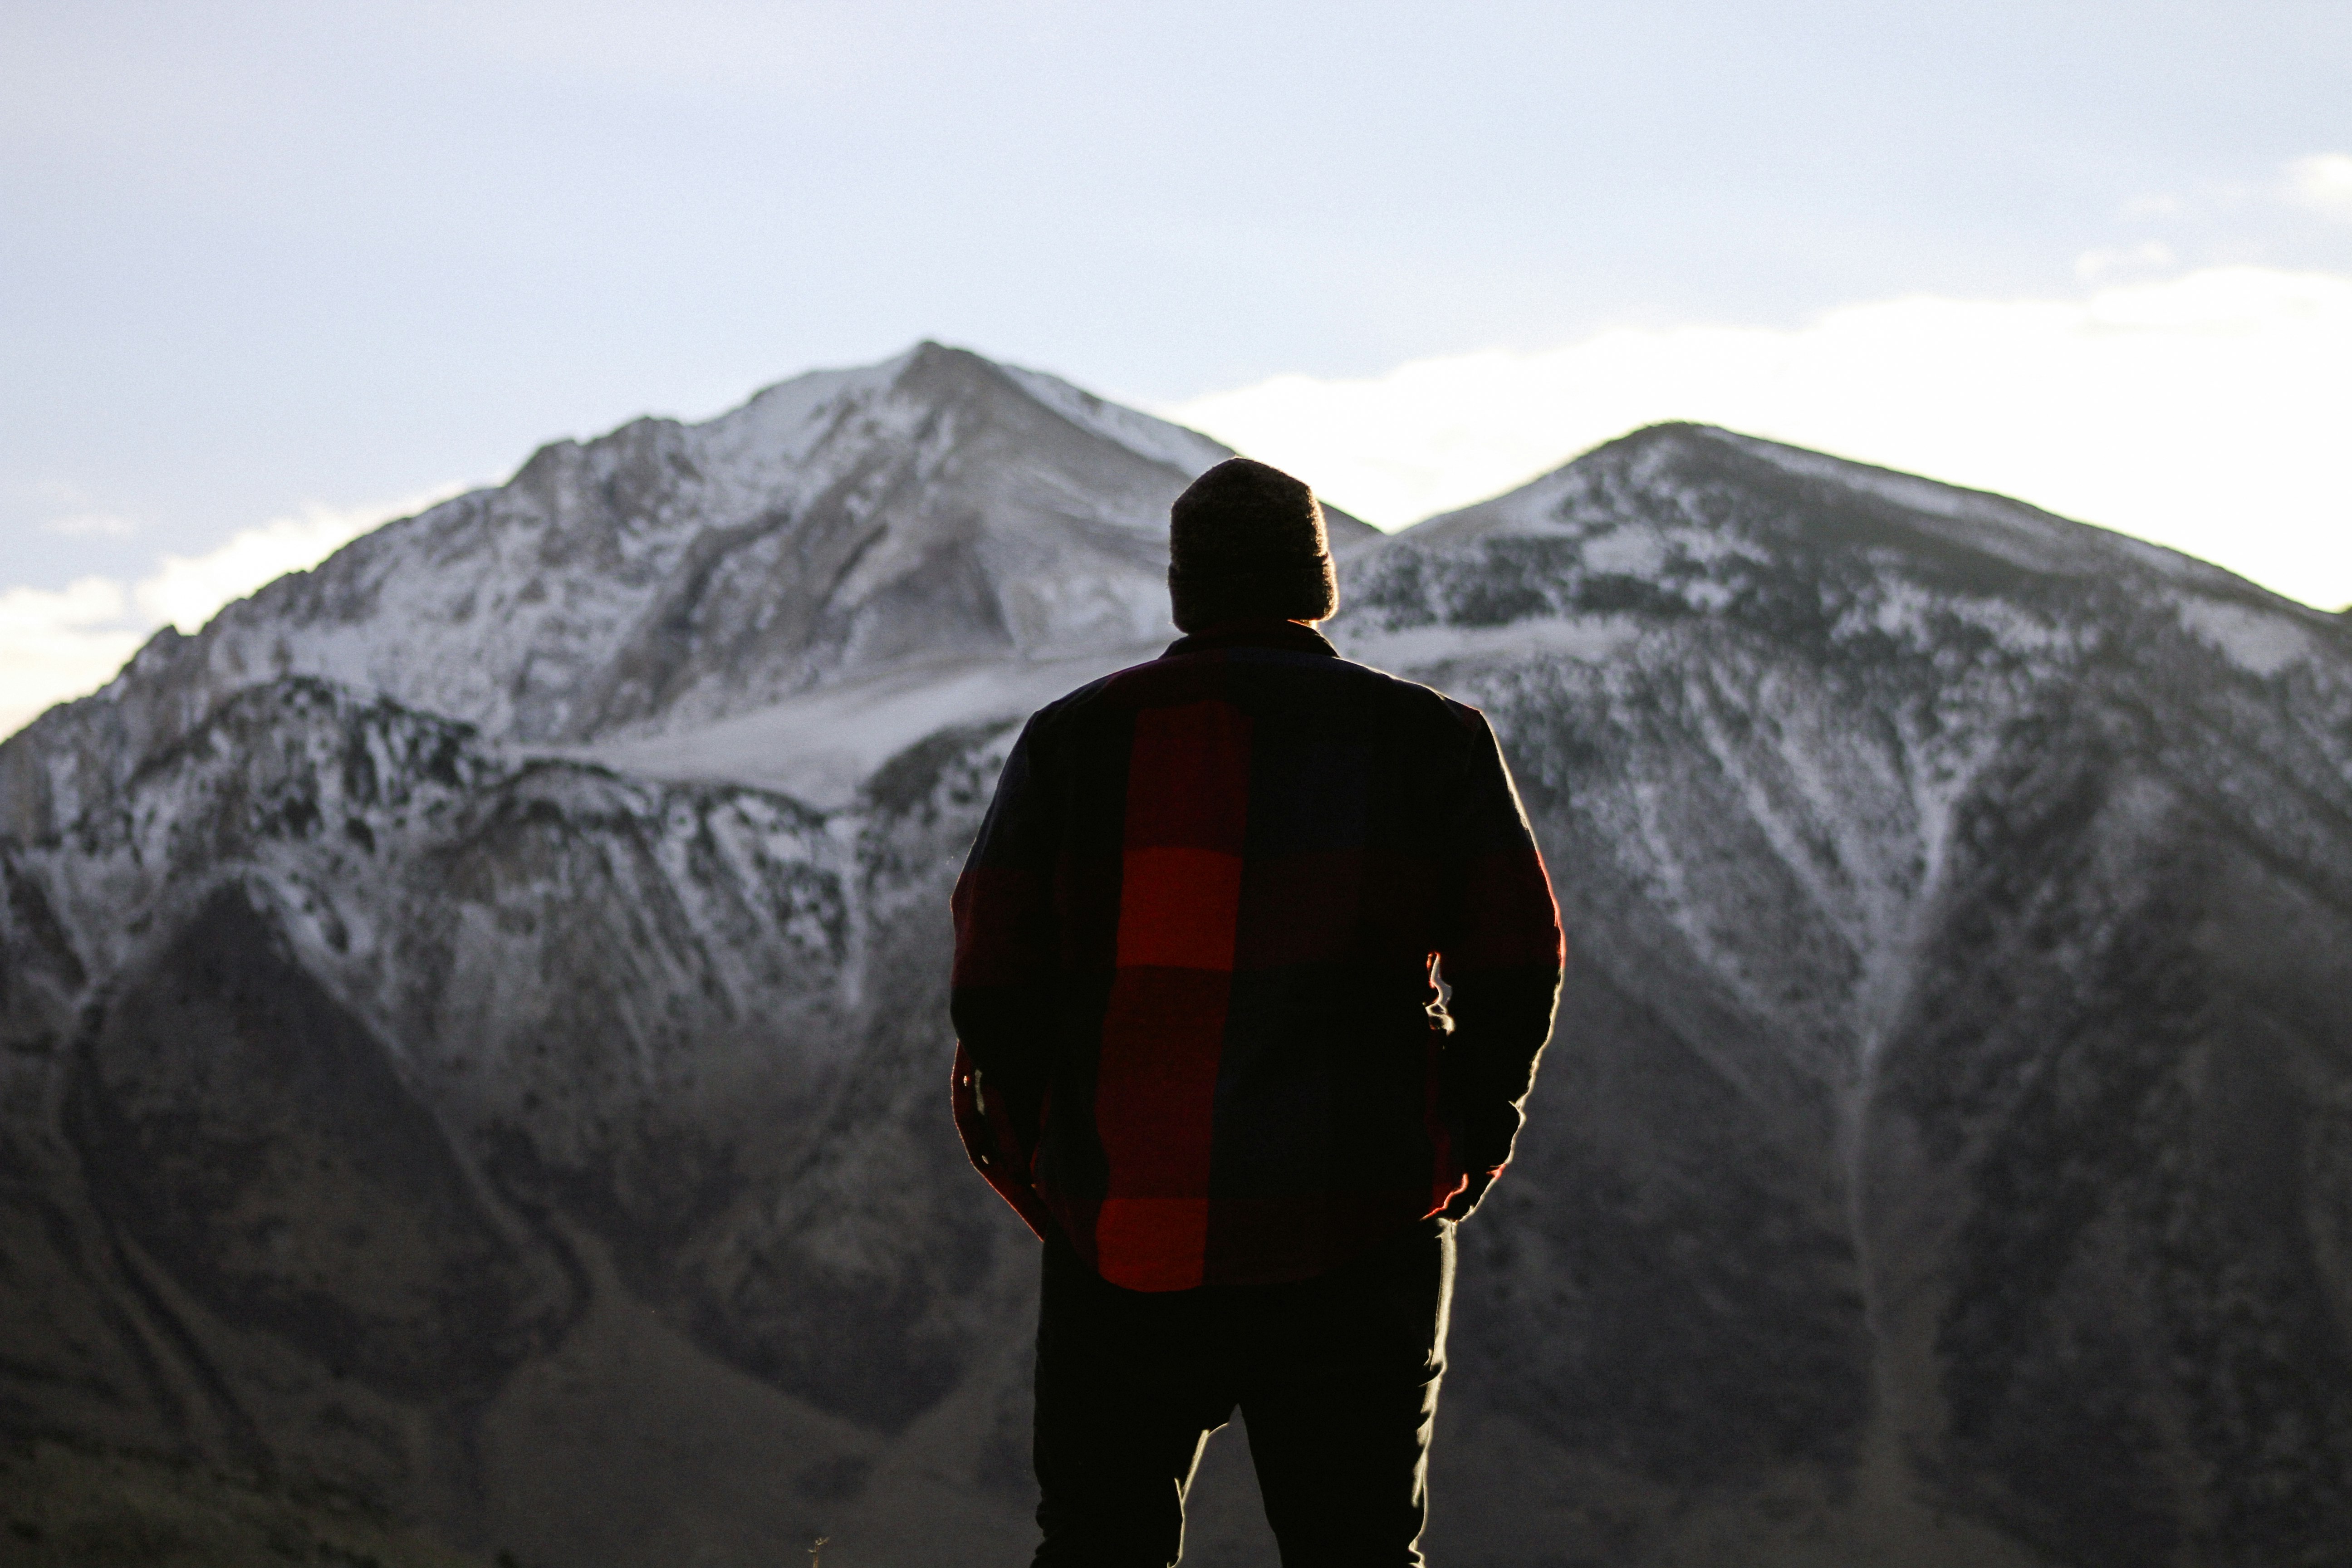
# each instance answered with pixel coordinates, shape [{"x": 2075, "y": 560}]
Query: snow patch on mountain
[
  {"x": 821, "y": 746},
  {"x": 2259, "y": 641}
]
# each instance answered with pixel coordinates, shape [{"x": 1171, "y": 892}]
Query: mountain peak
[
  {"x": 1694, "y": 481},
  {"x": 843, "y": 522}
]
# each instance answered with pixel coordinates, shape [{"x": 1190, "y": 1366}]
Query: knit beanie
[{"x": 1247, "y": 541}]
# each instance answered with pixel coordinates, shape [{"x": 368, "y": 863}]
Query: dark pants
[{"x": 1336, "y": 1375}]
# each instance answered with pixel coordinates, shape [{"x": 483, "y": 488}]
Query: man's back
[{"x": 1231, "y": 871}]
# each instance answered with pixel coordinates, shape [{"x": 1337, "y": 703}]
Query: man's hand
[{"x": 1000, "y": 1147}]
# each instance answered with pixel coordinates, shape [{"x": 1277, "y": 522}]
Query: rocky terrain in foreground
[{"x": 472, "y": 1028}]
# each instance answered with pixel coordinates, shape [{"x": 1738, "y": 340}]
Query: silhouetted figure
[{"x": 1204, "y": 1052}]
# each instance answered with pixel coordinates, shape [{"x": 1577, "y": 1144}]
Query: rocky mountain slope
[
  {"x": 438, "y": 1063},
  {"x": 1946, "y": 1148}
]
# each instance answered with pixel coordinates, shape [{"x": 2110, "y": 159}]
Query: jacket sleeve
[
  {"x": 1000, "y": 997},
  {"x": 1501, "y": 953}
]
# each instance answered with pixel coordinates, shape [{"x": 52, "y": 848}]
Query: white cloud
[
  {"x": 2099, "y": 265},
  {"x": 55, "y": 644},
  {"x": 185, "y": 589},
  {"x": 2323, "y": 183},
  {"x": 2206, "y": 412}
]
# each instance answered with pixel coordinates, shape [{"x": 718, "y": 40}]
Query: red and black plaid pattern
[{"x": 1197, "y": 945}]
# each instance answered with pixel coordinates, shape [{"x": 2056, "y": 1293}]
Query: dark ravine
[{"x": 1945, "y": 1157}]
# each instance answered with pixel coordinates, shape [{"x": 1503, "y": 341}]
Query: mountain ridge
[
  {"x": 838, "y": 522},
  {"x": 1942, "y": 1158}
]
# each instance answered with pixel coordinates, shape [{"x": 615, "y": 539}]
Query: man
[{"x": 1203, "y": 1050}]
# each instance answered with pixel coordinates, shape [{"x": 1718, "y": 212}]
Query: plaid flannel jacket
[{"x": 1197, "y": 948}]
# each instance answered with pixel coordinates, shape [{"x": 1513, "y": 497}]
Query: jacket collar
[{"x": 1288, "y": 635}]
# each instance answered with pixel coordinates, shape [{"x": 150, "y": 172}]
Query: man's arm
[
  {"x": 1002, "y": 995},
  {"x": 1501, "y": 954}
]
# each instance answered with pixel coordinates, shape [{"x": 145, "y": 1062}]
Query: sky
[{"x": 270, "y": 273}]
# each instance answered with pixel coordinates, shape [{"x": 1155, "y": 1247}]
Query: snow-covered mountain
[
  {"x": 935, "y": 514},
  {"x": 472, "y": 1022},
  {"x": 1947, "y": 1137}
]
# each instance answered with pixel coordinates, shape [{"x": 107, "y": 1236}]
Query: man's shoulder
[
  {"x": 1107, "y": 691},
  {"x": 1176, "y": 678},
  {"x": 1412, "y": 700}
]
